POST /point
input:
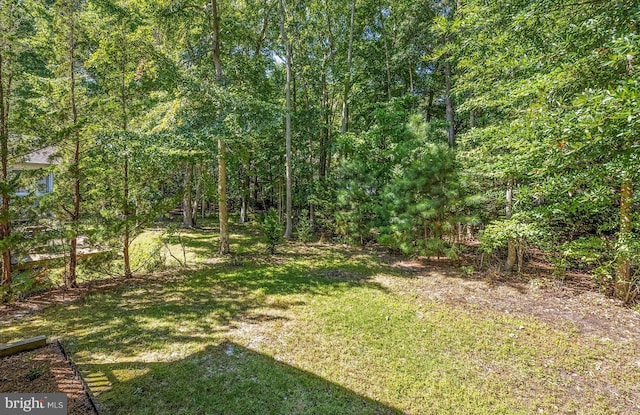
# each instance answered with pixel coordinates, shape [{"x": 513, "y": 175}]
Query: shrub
[
  {"x": 272, "y": 229},
  {"x": 304, "y": 228},
  {"x": 518, "y": 229}
]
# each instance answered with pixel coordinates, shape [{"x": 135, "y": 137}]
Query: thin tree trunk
[
  {"x": 329, "y": 139},
  {"x": 622, "y": 287},
  {"x": 520, "y": 252},
  {"x": 194, "y": 202},
  {"x": 289, "y": 216},
  {"x": 125, "y": 128},
  {"x": 324, "y": 131},
  {"x": 429, "y": 106},
  {"x": 243, "y": 209},
  {"x": 222, "y": 199},
  {"x": 246, "y": 191},
  {"x": 511, "y": 245},
  {"x": 5, "y": 224},
  {"x": 451, "y": 133},
  {"x": 127, "y": 213},
  {"x": 253, "y": 187},
  {"x": 70, "y": 276},
  {"x": 187, "y": 213},
  {"x": 386, "y": 52},
  {"x": 411, "y": 88},
  {"x": 347, "y": 84},
  {"x": 223, "y": 248},
  {"x": 280, "y": 200}
]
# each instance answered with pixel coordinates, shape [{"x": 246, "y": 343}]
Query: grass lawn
[{"x": 324, "y": 329}]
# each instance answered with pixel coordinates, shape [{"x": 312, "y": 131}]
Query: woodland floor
[{"x": 321, "y": 328}]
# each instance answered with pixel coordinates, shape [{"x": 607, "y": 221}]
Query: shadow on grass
[
  {"x": 194, "y": 307},
  {"x": 231, "y": 379}
]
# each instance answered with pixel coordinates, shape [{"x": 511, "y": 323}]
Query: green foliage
[
  {"x": 540, "y": 90},
  {"x": 25, "y": 283},
  {"x": 520, "y": 229},
  {"x": 467, "y": 270},
  {"x": 147, "y": 253},
  {"x": 34, "y": 373},
  {"x": 557, "y": 92},
  {"x": 304, "y": 228},
  {"x": 588, "y": 252},
  {"x": 400, "y": 185},
  {"x": 271, "y": 229},
  {"x": 422, "y": 193}
]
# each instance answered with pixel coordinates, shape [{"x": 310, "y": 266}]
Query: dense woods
[{"x": 419, "y": 126}]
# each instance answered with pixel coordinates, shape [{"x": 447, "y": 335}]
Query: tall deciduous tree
[
  {"x": 288, "y": 233},
  {"x": 223, "y": 247}
]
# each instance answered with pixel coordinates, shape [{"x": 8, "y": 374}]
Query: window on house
[{"x": 43, "y": 186}]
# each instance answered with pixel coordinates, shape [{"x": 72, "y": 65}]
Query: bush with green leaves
[
  {"x": 271, "y": 228},
  {"x": 519, "y": 229},
  {"x": 588, "y": 252},
  {"x": 304, "y": 228}
]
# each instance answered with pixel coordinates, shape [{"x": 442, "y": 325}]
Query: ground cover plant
[{"x": 327, "y": 329}]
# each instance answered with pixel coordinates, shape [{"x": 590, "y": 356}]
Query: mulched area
[{"x": 45, "y": 370}]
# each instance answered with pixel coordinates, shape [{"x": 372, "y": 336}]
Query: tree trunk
[
  {"x": 324, "y": 131},
  {"x": 386, "y": 52},
  {"x": 511, "y": 244},
  {"x": 127, "y": 213},
  {"x": 520, "y": 251},
  {"x": 451, "y": 133},
  {"x": 347, "y": 83},
  {"x": 125, "y": 129},
  {"x": 5, "y": 223},
  {"x": 197, "y": 174},
  {"x": 243, "y": 209},
  {"x": 411, "y": 88},
  {"x": 246, "y": 190},
  {"x": 223, "y": 248},
  {"x": 70, "y": 278},
  {"x": 622, "y": 289},
  {"x": 187, "y": 198},
  {"x": 289, "y": 216},
  {"x": 222, "y": 199},
  {"x": 429, "y": 106}
]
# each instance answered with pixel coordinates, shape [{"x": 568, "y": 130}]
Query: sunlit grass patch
[{"x": 321, "y": 329}]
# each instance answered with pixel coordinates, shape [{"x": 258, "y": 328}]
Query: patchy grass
[{"x": 325, "y": 330}]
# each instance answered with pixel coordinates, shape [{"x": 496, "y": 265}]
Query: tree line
[{"x": 410, "y": 124}]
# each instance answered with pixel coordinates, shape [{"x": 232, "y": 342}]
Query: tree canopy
[{"x": 415, "y": 125}]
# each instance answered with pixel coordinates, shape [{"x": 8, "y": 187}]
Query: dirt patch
[
  {"x": 559, "y": 304},
  {"x": 44, "y": 370}
]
